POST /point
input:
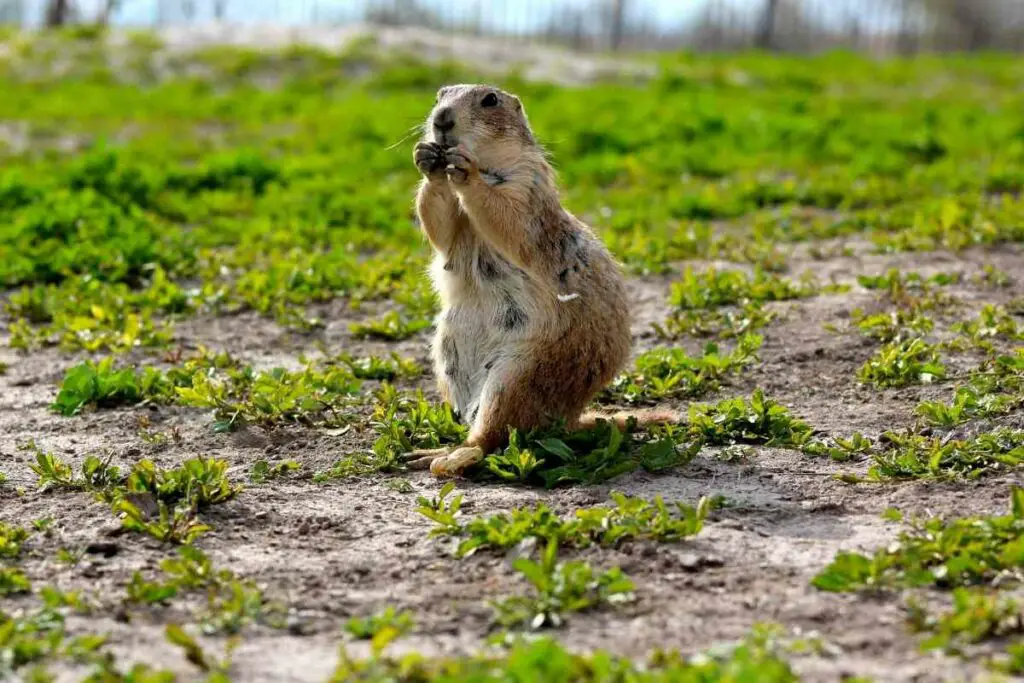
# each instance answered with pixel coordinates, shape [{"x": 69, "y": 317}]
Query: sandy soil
[{"x": 331, "y": 551}]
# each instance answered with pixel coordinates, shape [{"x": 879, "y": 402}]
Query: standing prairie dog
[{"x": 534, "y": 318}]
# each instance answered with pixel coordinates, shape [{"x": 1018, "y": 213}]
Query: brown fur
[
  {"x": 534, "y": 317},
  {"x": 621, "y": 419}
]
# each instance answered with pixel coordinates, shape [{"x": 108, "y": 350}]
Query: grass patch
[
  {"x": 901, "y": 363},
  {"x": 165, "y": 503},
  {"x": 995, "y": 388},
  {"x": 13, "y": 581},
  {"x": 629, "y": 519},
  {"x": 670, "y": 373},
  {"x": 919, "y": 457},
  {"x": 263, "y": 471},
  {"x": 318, "y": 395},
  {"x": 99, "y": 384},
  {"x": 405, "y": 422},
  {"x": 969, "y": 551},
  {"x": 389, "y": 621},
  {"x": 553, "y": 457},
  {"x": 97, "y": 474},
  {"x": 975, "y": 617},
  {"x": 11, "y": 538},
  {"x": 713, "y": 288},
  {"x": 757, "y": 657},
  {"x": 757, "y": 420},
  {"x": 231, "y": 602},
  {"x": 699, "y": 300},
  {"x": 559, "y": 588}
]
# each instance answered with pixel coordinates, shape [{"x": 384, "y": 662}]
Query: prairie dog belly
[
  {"x": 486, "y": 316},
  {"x": 465, "y": 350}
]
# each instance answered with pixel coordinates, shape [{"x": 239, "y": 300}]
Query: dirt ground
[{"x": 331, "y": 551}]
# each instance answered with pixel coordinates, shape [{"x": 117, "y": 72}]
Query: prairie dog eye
[{"x": 490, "y": 100}]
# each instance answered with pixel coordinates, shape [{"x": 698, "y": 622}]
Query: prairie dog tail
[{"x": 643, "y": 417}]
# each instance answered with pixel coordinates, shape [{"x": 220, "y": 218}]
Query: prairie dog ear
[
  {"x": 442, "y": 91},
  {"x": 518, "y": 104}
]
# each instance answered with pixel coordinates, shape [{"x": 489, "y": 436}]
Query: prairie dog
[{"x": 534, "y": 318}]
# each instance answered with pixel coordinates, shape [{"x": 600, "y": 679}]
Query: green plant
[
  {"x": 28, "y": 639},
  {"x": 383, "y": 369},
  {"x": 231, "y": 602},
  {"x": 840, "y": 449},
  {"x": 975, "y": 616},
  {"x": 900, "y": 363},
  {"x": 368, "y": 628},
  {"x": 13, "y": 581},
  {"x": 443, "y": 512},
  {"x": 713, "y": 288},
  {"x": 51, "y": 470},
  {"x": 514, "y": 463},
  {"x": 698, "y": 297},
  {"x": 235, "y": 604},
  {"x": 968, "y": 403},
  {"x": 899, "y": 285},
  {"x": 70, "y": 556},
  {"x": 552, "y": 456},
  {"x": 933, "y": 552},
  {"x": 150, "y": 592},
  {"x": 758, "y": 420},
  {"x": 96, "y": 474},
  {"x": 43, "y": 525},
  {"x": 755, "y": 657},
  {"x": 197, "y": 482},
  {"x": 918, "y": 457},
  {"x": 893, "y": 327},
  {"x": 164, "y": 503},
  {"x": 177, "y": 524},
  {"x": 98, "y": 384},
  {"x": 724, "y": 323},
  {"x": 217, "y": 670},
  {"x": 670, "y": 373},
  {"x": 629, "y": 518},
  {"x": 242, "y": 396},
  {"x": 405, "y": 422},
  {"x": 991, "y": 276},
  {"x": 392, "y": 326},
  {"x": 993, "y": 323},
  {"x": 353, "y": 465},
  {"x": 635, "y": 518},
  {"x": 11, "y": 538},
  {"x": 560, "y": 588},
  {"x": 996, "y": 387},
  {"x": 262, "y": 471}
]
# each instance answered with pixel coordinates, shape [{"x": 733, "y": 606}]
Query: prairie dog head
[{"x": 490, "y": 122}]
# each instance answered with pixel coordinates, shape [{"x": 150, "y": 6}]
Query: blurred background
[{"x": 873, "y": 26}]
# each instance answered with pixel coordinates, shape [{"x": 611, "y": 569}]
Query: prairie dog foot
[
  {"x": 456, "y": 462},
  {"x": 422, "y": 458}
]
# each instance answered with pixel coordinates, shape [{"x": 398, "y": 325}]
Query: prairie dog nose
[{"x": 444, "y": 119}]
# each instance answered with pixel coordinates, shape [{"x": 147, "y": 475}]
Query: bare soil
[{"x": 331, "y": 551}]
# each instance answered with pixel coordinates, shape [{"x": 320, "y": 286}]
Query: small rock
[
  {"x": 104, "y": 548},
  {"x": 690, "y": 561},
  {"x": 113, "y": 530},
  {"x": 92, "y": 571},
  {"x": 298, "y": 627}
]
